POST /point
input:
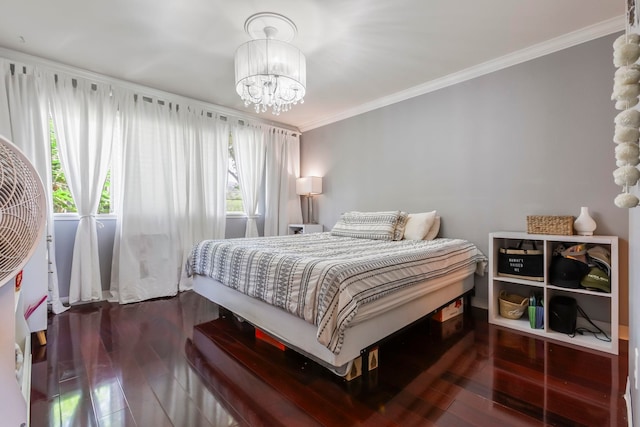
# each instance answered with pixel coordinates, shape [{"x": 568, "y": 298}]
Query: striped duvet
[{"x": 324, "y": 279}]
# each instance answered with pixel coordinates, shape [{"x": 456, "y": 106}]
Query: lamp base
[{"x": 310, "y": 209}]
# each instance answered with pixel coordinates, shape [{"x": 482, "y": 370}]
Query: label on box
[{"x": 451, "y": 310}]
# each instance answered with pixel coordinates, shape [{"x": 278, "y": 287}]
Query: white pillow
[
  {"x": 418, "y": 225},
  {"x": 435, "y": 228}
]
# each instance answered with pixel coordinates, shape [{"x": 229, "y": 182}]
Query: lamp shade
[
  {"x": 309, "y": 185},
  {"x": 270, "y": 73}
]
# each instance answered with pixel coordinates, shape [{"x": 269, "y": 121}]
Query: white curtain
[
  {"x": 147, "y": 242},
  {"x": 206, "y": 144},
  {"x": 84, "y": 118},
  {"x": 282, "y": 167},
  {"x": 249, "y": 148},
  {"x": 174, "y": 169},
  {"x": 24, "y": 119}
]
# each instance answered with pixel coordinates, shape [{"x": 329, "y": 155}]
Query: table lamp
[{"x": 309, "y": 186}]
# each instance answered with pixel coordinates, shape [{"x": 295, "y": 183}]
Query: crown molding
[
  {"x": 565, "y": 41},
  {"x": 76, "y": 72}
]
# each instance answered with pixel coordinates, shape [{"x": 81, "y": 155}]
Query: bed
[{"x": 332, "y": 295}]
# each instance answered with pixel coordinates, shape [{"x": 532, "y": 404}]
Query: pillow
[
  {"x": 435, "y": 228},
  {"x": 403, "y": 217},
  {"x": 418, "y": 225},
  {"x": 367, "y": 225}
]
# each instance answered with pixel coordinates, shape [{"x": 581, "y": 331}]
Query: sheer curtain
[
  {"x": 24, "y": 120},
  {"x": 84, "y": 117},
  {"x": 249, "y": 147},
  {"x": 174, "y": 169},
  {"x": 206, "y": 144},
  {"x": 282, "y": 167},
  {"x": 147, "y": 243}
]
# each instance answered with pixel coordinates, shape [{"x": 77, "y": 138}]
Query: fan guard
[{"x": 22, "y": 210}]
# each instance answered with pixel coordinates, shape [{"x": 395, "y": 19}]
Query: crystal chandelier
[{"x": 270, "y": 72}]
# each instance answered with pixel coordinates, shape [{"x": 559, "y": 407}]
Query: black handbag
[{"x": 521, "y": 263}]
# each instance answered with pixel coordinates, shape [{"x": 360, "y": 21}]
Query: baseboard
[
  {"x": 105, "y": 297},
  {"x": 627, "y": 398},
  {"x": 623, "y": 332},
  {"x": 479, "y": 303}
]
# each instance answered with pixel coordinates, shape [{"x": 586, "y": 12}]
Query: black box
[{"x": 563, "y": 314}]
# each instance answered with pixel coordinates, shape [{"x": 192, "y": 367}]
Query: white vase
[{"x": 584, "y": 224}]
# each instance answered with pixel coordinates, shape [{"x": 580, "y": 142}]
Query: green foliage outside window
[
  {"x": 234, "y": 196},
  {"x": 62, "y": 199}
]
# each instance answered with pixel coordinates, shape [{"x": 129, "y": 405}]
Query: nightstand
[{"x": 305, "y": 228}]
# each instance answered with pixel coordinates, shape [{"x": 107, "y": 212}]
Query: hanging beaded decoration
[{"x": 626, "y": 89}]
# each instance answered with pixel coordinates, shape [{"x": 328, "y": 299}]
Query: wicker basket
[
  {"x": 512, "y": 306},
  {"x": 541, "y": 224}
]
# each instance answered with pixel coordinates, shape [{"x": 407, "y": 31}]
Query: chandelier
[{"x": 270, "y": 72}]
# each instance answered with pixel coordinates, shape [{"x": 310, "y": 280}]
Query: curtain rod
[{"x": 13, "y": 55}]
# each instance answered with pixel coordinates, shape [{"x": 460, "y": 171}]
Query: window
[
  {"x": 234, "y": 196},
  {"x": 62, "y": 200}
]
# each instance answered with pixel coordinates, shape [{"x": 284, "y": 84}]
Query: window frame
[
  {"x": 233, "y": 214},
  {"x": 73, "y": 215}
]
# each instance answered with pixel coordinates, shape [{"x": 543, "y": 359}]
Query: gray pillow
[{"x": 371, "y": 225}]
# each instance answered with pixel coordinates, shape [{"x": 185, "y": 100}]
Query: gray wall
[
  {"x": 532, "y": 139},
  {"x": 65, "y": 234}
]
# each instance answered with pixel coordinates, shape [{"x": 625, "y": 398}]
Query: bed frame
[{"x": 300, "y": 336}]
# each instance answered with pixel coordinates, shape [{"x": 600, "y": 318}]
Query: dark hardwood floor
[{"x": 183, "y": 362}]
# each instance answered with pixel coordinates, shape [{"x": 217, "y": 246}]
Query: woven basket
[
  {"x": 541, "y": 224},
  {"x": 512, "y": 306}
]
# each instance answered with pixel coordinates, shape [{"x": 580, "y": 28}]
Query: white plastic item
[
  {"x": 22, "y": 210},
  {"x": 22, "y": 220}
]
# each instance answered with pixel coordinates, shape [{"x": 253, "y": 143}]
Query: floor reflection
[{"x": 182, "y": 361}]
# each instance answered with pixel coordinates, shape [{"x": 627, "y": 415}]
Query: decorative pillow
[
  {"x": 403, "y": 217},
  {"x": 367, "y": 225},
  {"x": 418, "y": 225},
  {"x": 435, "y": 228}
]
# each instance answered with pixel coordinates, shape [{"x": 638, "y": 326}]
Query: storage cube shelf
[{"x": 601, "y": 307}]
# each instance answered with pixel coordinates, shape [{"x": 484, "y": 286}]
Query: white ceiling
[{"x": 361, "y": 54}]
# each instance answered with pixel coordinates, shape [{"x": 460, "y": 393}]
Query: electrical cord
[{"x": 583, "y": 330}]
